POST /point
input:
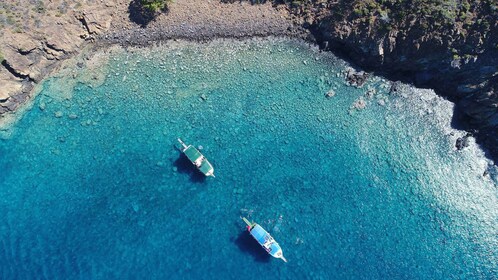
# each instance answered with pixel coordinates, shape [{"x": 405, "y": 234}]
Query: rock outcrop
[
  {"x": 453, "y": 50},
  {"x": 28, "y": 54}
]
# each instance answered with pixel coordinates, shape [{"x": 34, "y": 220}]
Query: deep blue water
[{"x": 92, "y": 186}]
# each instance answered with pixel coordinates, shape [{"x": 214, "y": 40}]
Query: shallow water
[{"x": 92, "y": 186}]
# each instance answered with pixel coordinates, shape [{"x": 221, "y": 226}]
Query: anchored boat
[
  {"x": 265, "y": 240},
  {"x": 197, "y": 159}
]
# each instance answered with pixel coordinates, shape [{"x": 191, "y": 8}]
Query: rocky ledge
[{"x": 33, "y": 44}]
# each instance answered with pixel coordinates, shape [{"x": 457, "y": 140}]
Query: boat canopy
[
  {"x": 259, "y": 234},
  {"x": 274, "y": 248},
  {"x": 192, "y": 153},
  {"x": 205, "y": 167}
]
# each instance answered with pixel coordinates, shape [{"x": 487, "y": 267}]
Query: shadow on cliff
[{"x": 140, "y": 15}]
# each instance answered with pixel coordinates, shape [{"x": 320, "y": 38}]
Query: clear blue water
[{"x": 92, "y": 187}]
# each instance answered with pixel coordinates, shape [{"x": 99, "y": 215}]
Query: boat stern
[{"x": 206, "y": 168}]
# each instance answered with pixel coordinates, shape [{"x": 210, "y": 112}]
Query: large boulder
[
  {"x": 95, "y": 21},
  {"x": 10, "y": 86}
]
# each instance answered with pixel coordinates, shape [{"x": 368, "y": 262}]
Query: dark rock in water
[
  {"x": 370, "y": 93},
  {"x": 324, "y": 45},
  {"x": 356, "y": 79},
  {"x": 491, "y": 171},
  {"x": 463, "y": 142},
  {"x": 395, "y": 86},
  {"x": 486, "y": 173},
  {"x": 460, "y": 143}
]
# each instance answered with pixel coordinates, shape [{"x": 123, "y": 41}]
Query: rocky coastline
[
  {"x": 30, "y": 55},
  {"x": 400, "y": 53},
  {"x": 451, "y": 49}
]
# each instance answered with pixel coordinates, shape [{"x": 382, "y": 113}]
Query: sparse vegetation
[
  {"x": 447, "y": 22},
  {"x": 39, "y": 7},
  {"x": 154, "y": 5},
  {"x": 145, "y": 11},
  {"x": 10, "y": 19}
]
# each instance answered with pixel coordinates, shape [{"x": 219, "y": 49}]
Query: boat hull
[
  {"x": 198, "y": 159},
  {"x": 266, "y": 241}
]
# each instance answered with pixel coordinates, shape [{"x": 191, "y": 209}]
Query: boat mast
[
  {"x": 183, "y": 144},
  {"x": 249, "y": 224}
]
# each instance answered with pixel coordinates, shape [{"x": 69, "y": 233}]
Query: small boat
[
  {"x": 265, "y": 240},
  {"x": 197, "y": 159}
]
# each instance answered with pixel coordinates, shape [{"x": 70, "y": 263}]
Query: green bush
[{"x": 155, "y": 5}]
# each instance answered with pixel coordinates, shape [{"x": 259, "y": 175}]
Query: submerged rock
[
  {"x": 370, "y": 93},
  {"x": 462, "y": 142},
  {"x": 359, "y": 104},
  {"x": 330, "y": 93},
  {"x": 395, "y": 86}
]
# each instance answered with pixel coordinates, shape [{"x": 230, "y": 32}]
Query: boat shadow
[
  {"x": 184, "y": 166},
  {"x": 248, "y": 244}
]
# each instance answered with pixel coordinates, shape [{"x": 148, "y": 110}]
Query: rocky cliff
[
  {"x": 450, "y": 46},
  {"x": 36, "y": 37}
]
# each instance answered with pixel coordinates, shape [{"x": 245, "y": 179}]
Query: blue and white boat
[{"x": 265, "y": 240}]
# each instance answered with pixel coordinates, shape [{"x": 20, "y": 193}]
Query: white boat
[{"x": 265, "y": 240}]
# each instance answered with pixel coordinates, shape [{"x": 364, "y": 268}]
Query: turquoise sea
[{"x": 92, "y": 185}]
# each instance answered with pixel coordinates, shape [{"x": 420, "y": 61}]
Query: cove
[{"x": 92, "y": 186}]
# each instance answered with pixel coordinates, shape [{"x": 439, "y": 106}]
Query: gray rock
[{"x": 462, "y": 142}]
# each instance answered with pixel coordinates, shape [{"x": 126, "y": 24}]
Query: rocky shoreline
[
  {"x": 194, "y": 32},
  {"x": 451, "y": 49},
  {"x": 472, "y": 83},
  {"x": 473, "y": 87},
  {"x": 27, "y": 57}
]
